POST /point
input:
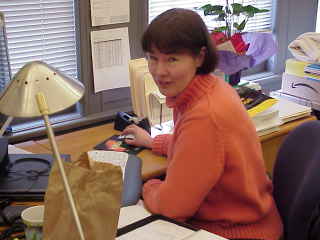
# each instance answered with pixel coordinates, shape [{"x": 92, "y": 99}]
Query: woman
[{"x": 216, "y": 177}]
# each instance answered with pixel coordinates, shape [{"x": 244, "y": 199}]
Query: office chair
[{"x": 296, "y": 179}]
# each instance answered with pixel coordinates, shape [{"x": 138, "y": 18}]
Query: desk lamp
[{"x": 40, "y": 90}]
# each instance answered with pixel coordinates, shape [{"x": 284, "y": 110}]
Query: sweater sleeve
[
  {"x": 195, "y": 167},
  {"x": 160, "y": 144}
]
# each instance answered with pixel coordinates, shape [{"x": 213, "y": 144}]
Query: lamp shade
[{"x": 61, "y": 91}]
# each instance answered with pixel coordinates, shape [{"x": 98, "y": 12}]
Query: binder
[{"x": 135, "y": 222}]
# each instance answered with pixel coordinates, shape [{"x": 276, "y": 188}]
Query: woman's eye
[
  {"x": 151, "y": 58},
  {"x": 172, "y": 59}
]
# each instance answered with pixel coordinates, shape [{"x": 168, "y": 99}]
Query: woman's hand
[{"x": 141, "y": 137}]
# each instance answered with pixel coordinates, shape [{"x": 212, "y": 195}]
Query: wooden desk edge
[
  {"x": 287, "y": 127},
  {"x": 154, "y": 166}
]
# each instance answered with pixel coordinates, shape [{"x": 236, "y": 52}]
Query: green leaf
[
  {"x": 221, "y": 17},
  {"x": 242, "y": 25},
  {"x": 227, "y": 10},
  {"x": 237, "y": 8},
  {"x": 220, "y": 29},
  {"x": 209, "y": 9},
  {"x": 236, "y": 25},
  {"x": 251, "y": 10},
  {"x": 263, "y": 10}
]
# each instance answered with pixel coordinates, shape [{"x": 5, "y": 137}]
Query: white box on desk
[{"x": 303, "y": 87}]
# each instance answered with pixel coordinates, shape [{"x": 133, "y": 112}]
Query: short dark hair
[{"x": 177, "y": 30}]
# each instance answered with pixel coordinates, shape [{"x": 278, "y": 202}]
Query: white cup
[{"x": 32, "y": 217}]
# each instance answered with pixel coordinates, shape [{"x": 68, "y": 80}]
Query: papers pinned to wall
[
  {"x": 105, "y": 12},
  {"x": 110, "y": 58}
]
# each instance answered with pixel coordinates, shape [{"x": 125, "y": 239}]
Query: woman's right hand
[{"x": 141, "y": 137}]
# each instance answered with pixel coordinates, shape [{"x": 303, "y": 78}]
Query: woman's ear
[{"x": 201, "y": 56}]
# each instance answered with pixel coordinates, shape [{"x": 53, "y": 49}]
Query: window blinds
[
  {"x": 5, "y": 72},
  {"x": 260, "y": 22},
  {"x": 41, "y": 30}
]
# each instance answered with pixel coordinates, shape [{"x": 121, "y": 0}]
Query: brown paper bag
[{"x": 97, "y": 195}]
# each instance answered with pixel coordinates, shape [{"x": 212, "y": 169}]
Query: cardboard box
[{"x": 302, "y": 87}]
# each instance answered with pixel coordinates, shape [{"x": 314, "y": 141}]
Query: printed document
[
  {"x": 110, "y": 58},
  {"x": 105, "y": 12}
]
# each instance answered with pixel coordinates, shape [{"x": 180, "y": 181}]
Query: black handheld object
[
  {"x": 124, "y": 119},
  {"x": 4, "y": 158}
]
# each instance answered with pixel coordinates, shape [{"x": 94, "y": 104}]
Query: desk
[{"x": 77, "y": 142}]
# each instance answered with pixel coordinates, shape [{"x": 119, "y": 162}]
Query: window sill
[
  {"x": 267, "y": 80},
  {"x": 66, "y": 123}
]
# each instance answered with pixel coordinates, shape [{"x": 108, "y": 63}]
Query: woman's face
[{"x": 173, "y": 72}]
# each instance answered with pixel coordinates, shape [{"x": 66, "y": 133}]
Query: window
[
  {"x": 58, "y": 32},
  {"x": 41, "y": 30},
  {"x": 4, "y": 56},
  {"x": 318, "y": 18},
  {"x": 286, "y": 20},
  {"x": 259, "y": 22}
]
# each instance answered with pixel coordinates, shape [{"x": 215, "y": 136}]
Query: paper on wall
[
  {"x": 105, "y": 12},
  {"x": 110, "y": 58}
]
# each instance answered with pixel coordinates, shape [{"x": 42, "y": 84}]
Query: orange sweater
[{"x": 216, "y": 178}]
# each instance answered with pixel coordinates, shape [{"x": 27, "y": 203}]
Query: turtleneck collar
[{"x": 198, "y": 86}]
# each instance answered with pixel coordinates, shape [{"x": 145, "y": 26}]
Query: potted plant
[
  {"x": 237, "y": 49},
  {"x": 234, "y": 16}
]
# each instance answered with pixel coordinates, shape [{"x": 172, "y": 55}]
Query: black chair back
[{"x": 296, "y": 179}]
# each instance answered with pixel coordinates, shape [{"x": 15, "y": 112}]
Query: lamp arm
[
  {"x": 5, "y": 125},
  {"x": 44, "y": 111}
]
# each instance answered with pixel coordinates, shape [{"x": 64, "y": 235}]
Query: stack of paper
[
  {"x": 288, "y": 109},
  {"x": 158, "y": 112},
  {"x": 138, "y": 70},
  {"x": 267, "y": 121},
  {"x": 147, "y": 101}
]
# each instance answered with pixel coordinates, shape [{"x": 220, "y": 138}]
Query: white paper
[
  {"x": 15, "y": 150},
  {"x": 110, "y": 58},
  {"x": 131, "y": 214},
  {"x": 105, "y": 12},
  {"x": 116, "y": 158},
  {"x": 204, "y": 235},
  {"x": 160, "y": 230}
]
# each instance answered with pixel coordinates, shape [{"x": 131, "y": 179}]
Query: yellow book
[
  {"x": 295, "y": 67},
  {"x": 255, "y": 101}
]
